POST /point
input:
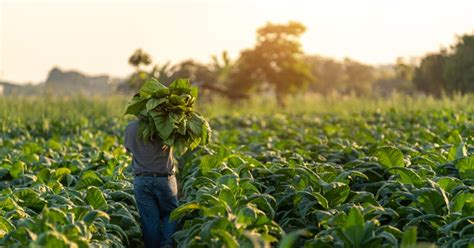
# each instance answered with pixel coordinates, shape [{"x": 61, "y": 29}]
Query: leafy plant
[
  {"x": 166, "y": 113},
  {"x": 363, "y": 178}
]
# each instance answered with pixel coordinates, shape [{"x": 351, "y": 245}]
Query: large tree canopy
[
  {"x": 429, "y": 75},
  {"x": 137, "y": 79},
  {"x": 275, "y": 62},
  {"x": 277, "y": 66},
  {"x": 459, "y": 67},
  {"x": 448, "y": 71}
]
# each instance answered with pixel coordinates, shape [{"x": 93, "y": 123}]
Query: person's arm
[{"x": 125, "y": 141}]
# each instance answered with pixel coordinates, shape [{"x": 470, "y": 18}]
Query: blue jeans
[{"x": 156, "y": 197}]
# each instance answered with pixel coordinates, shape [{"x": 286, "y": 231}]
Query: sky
[{"x": 97, "y": 36}]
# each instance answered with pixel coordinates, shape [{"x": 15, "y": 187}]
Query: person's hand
[{"x": 164, "y": 147}]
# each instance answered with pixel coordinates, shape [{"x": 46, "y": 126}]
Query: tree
[
  {"x": 138, "y": 58},
  {"x": 196, "y": 72},
  {"x": 458, "y": 70},
  {"x": 209, "y": 78},
  {"x": 448, "y": 71},
  {"x": 275, "y": 62},
  {"x": 429, "y": 75}
]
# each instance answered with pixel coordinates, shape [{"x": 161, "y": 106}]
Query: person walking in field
[{"x": 155, "y": 186}]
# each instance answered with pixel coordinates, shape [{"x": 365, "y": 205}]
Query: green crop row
[
  {"x": 326, "y": 181},
  {"x": 64, "y": 185},
  {"x": 374, "y": 178}
]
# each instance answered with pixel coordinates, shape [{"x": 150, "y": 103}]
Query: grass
[{"x": 20, "y": 109}]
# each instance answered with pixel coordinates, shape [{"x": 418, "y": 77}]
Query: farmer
[{"x": 154, "y": 185}]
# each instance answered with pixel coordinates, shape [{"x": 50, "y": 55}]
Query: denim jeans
[{"x": 156, "y": 197}]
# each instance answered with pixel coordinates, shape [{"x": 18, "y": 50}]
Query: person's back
[
  {"x": 155, "y": 186},
  {"x": 148, "y": 156}
]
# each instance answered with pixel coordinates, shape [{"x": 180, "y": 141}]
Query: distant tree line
[
  {"x": 448, "y": 71},
  {"x": 277, "y": 65}
]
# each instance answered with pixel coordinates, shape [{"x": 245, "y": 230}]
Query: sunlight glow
[{"x": 98, "y": 36}]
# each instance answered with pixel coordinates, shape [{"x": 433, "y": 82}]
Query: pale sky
[{"x": 98, "y": 36}]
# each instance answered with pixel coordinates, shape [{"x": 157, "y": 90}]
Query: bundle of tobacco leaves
[{"x": 166, "y": 113}]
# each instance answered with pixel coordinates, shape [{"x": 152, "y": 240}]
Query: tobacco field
[{"x": 388, "y": 177}]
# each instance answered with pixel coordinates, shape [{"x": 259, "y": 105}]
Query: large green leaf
[
  {"x": 463, "y": 203},
  {"x": 89, "y": 178},
  {"x": 390, "y": 157},
  {"x": 136, "y": 105},
  {"x": 466, "y": 167},
  {"x": 354, "y": 228},
  {"x": 91, "y": 216},
  {"x": 448, "y": 183},
  {"x": 53, "y": 239},
  {"x": 122, "y": 196},
  {"x": 61, "y": 172},
  {"x": 5, "y": 226},
  {"x": 207, "y": 163},
  {"x": 180, "y": 86},
  {"x": 195, "y": 125},
  {"x": 194, "y": 92},
  {"x": 164, "y": 126},
  {"x": 180, "y": 145},
  {"x": 55, "y": 215},
  {"x": 311, "y": 199},
  {"x": 336, "y": 193},
  {"x": 7, "y": 203},
  {"x": 432, "y": 201},
  {"x": 409, "y": 238},
  {"x": 96, "y": 198},
  {"x": 183, "y": 209},
  {"x": 408, "y": 176},
  {"x": 227, "y": 196},
  {"x": 154, "y": 102},
  {"x": 149, "y": 87},
  {"x": 457, "y": 151},
  {"x": 246, "y": 215},
  {"x": 30, "y": 198},
  {"x": 17, "y": 169}
]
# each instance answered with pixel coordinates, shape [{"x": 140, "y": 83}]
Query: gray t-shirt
[{"x": 147, "y": 156}]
